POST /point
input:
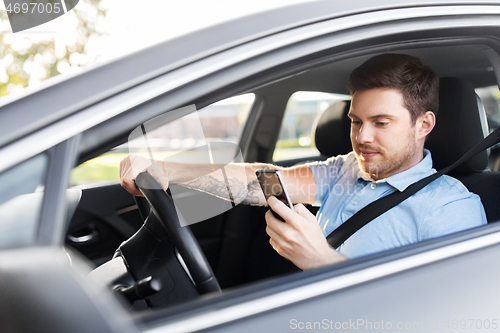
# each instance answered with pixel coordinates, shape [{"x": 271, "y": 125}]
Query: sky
[
  {"x": 133, "y": 25},
  {"x": 128, "y": 26}
]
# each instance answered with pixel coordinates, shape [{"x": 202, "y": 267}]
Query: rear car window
[
  {"x": 490, "y": 98},
  {"x": 296, "y": 139}
]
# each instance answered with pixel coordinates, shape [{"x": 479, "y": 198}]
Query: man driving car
[{"x": 394, "y": 98}]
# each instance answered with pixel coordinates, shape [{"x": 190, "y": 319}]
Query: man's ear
[{"x": 425, "y": 123}]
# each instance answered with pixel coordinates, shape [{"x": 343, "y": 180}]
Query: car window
[
  {"x": 490, "y": 98},
  {"x": 223, "y": 120},
  {"x": 295, "y": 138},
  {"x": 21, "y": 197}
]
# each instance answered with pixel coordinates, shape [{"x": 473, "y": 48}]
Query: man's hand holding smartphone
[
  {"x": 300, "y": 240},
  {"x": 272, "y": 184}
]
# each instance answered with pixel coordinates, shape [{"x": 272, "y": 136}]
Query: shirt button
[
  {"x": 373, "y": 186},
  {"x": 354, "y": 202}
]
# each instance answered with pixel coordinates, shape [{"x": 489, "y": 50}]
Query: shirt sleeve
[
  {"x": 326, "y": 174},
  {"x": 459, "y": 213}
]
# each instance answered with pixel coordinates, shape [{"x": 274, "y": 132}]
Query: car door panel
[{"x": 105, "y": 217}]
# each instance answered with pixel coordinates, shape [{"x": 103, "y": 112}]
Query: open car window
[{"x": 223, "y": 120}]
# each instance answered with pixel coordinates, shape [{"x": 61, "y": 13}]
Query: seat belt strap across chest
[{"x": 382, "y": 205}]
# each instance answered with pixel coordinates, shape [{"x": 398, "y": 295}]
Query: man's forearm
[{"x": 235, "y": 181}]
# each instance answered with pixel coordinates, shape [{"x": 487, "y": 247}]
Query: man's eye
[
  {"x": 382, "y": 124},
  {"x": 355, "y": 122}
]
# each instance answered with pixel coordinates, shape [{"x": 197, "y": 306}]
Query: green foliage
[
  {"x": 95, "y": 172},
  {"x": 102, "y": 169},
  {"x": 28, "y": 59}
]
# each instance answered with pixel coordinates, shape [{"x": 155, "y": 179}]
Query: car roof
[
  {"x": 464, "y": 61},
  {"x": 61, "y": 97}
]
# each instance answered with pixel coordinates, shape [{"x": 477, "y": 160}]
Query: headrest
[
  {"x": 332, "y": 130},
  {"x": 458, "y": 127}
]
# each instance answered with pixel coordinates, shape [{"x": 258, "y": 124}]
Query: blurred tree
[{"x": 27, "y": 59}]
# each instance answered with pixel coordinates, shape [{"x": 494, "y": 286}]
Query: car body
[{"x": 440, "y": 284}]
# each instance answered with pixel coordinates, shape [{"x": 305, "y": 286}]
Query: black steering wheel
[
  {"x": 181, "y": 236},
  {"x": 162, "y": 263}
]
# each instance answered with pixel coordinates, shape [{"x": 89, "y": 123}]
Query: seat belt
[{"x": 382, "y": 205}]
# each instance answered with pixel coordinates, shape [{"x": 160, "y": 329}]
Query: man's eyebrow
[
  {"x": 383, "y": 116},
  {"x": 351, "y": 115}
]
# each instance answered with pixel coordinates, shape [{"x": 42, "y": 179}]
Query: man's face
[{"x": 382, "y": 134}]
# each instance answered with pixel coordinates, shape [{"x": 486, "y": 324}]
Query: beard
[{"x": 389, "y": 161}]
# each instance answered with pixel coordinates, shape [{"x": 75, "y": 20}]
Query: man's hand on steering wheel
[{"x": 132, "y": 165}]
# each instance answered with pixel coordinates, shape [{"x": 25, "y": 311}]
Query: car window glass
[
  {"x": 490, "y": 98},
  {"x": 223, "y": 120},
  {"x": 295, "y": 138},
  {"x": 21, "y": 197}
]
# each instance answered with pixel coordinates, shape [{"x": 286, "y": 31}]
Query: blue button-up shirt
[{"x": 442, "y": 207}]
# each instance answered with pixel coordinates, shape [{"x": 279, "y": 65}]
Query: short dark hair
[{"x": 417, "y": 82}]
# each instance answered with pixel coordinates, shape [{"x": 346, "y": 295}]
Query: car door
[
  {"x": 35, "y": 207},
  {"x": 425, "y": 285},
  {"x": 359, "y": 285}
]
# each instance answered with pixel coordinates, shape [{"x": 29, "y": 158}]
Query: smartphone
[{"x": 272, "y": 184}]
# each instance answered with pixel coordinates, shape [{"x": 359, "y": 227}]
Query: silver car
[{"x": 76, "y": 255}]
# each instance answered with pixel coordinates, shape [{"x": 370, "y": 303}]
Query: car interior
[{"x": 235, "y": 242}]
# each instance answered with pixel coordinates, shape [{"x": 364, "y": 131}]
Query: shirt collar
[{"x": 404, "y": 179}]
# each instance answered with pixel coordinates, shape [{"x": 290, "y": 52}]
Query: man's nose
[{"x": 364, "y": 134}]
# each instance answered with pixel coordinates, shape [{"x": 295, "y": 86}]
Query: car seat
[
  {"x": 460, "y": 125},
  {"x": 332, "y": 131}
]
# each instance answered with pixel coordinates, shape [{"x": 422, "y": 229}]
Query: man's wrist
[
  {"x": 166, "y": 172},
  {"x": 332, "y": 257},
  {"x": 335, "y": 257}
]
